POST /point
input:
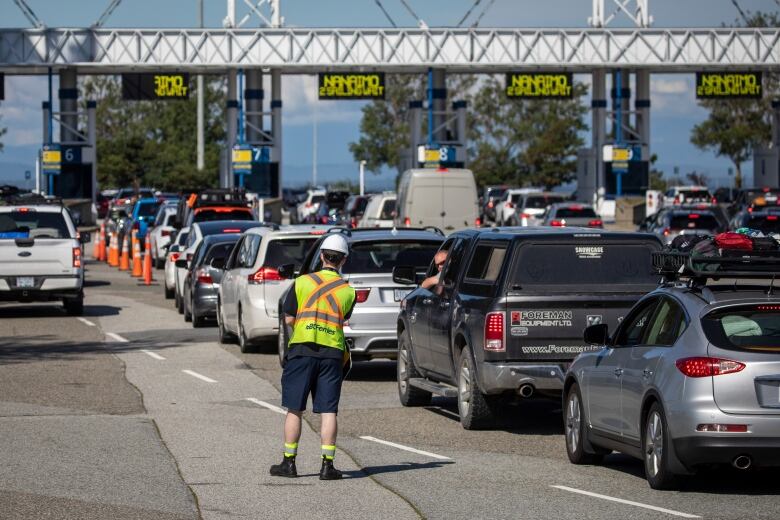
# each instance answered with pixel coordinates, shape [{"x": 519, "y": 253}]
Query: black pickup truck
[{"x": 506, "y": 316}]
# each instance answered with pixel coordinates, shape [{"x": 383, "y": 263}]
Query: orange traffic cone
[
  {"x": 124, "y": 257},
  {"x": 96, "y": 246},
  {"x": 102, "y": 251},
  {"x": 148, "y": 264},
  {"x": 113, "y": 252},
  {"x": 137, "y": 270}
]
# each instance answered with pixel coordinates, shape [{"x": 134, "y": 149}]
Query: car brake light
[
  {"x": 204, "y": 277},
  {"x": 714, "y": 200},
  {"x": 676, "y": 200},
  {"x": 557, "y": 223},
  {"x": 477, "y": 222},
  {"x": 231, "y": 230},
  {"x": 264, "y": 274},
  {"x": 509, "y": 205},
  {"x": 708, "y": 366},
  {"x": 318, "y": 232},
  {"x": 407, "y": 222},
  {"x": 353, "y": 222},
  {"x": 361, "y": 295},
  {"x": 23, "y": 210},
  {"x": 174, "y": 257},
  {"x": 768, "y": 307},
  {"x": 76, "y": 257},
  {"x": 731, "y": 428},
  {"x": 490, "y": 204},
  {"x": 308, "y": 204},
  {"x": 693, "y": 215},
  {"x": 165, "y": 233},
  {"x": 771, "y": 217},
  {"x": 596, "y": 223},
  {"x": 667, "y": 231},
  {"x": 494, "y": 332},
  {"x": 525, "y": 215}
]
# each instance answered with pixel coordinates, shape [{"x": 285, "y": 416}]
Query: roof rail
[
  {"x": 731, "y": 264},
  {"x": 28, "y": 198}
]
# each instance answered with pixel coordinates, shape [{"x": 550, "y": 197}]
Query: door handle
[
  {"x": 618, "y": 372},
  {"x": 427, "y": 301}
]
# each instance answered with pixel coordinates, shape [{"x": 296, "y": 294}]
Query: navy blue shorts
[{"x": 319, "y": 376}]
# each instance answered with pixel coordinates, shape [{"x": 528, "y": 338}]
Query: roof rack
[
  {"x": 29, "y": 198},
  {"x": 348, "y": 232},
  {"x": 731, "y": 264}
]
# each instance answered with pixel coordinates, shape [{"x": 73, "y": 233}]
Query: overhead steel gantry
[{"x": 294, "y": 50}]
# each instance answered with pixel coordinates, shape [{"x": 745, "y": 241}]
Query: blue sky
[{"x": 674, "y": 109}]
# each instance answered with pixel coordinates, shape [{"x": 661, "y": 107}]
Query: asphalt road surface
[{"x": 129, "y": 412}]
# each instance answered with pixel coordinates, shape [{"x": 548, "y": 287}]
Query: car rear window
[
  {"x": 766, "y": 223},
  {"x": 316, "y": 199},
  {"x": 694, "y": 221},
  {"x": 182, "y": 238},
  {"x": 541, "y": 201},
  {"x": 388, "y": 207},
  {"x": 746, "y": 327},
  {"x": 495, "y": 193},
  {"x": 221, "y": 250},
  {"x": 284, "y": 251},
  {"x": 575, "y": 212},
  {"x": 209, "y": 215},
  {"x": 32, "y": 224},
  {"x": 694, "y": 195},
  {"x": 147, "y": 210},
  {"x": 381, "y": 257},
  {"x": 486, "y": 263},
  {"x": 599, "y": 267}
]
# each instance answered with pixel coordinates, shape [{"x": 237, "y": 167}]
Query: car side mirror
[
  {"x": 404, "y": 275},
  {"x": 181, "y": 262},
  {"x": 84, "y": 237},
  {"x": 218, "y": 263},
  {"x": 287, "y": 271},
  {"x": 596, "y": 334}
]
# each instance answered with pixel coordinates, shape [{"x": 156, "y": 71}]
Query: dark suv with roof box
[{"x": 505, "y": 318}]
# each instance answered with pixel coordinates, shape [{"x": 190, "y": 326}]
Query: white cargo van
[{"x": 444, "y": 197}]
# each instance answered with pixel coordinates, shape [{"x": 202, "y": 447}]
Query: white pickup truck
[{"x": 41, "y": 255}]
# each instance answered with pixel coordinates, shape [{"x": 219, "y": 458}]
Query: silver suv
[
  {"x": 371, "y": 331},
  {"x": 690, "y": 377}
]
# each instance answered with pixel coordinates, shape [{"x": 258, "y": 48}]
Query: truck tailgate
[{"x": 39, "y": 257}]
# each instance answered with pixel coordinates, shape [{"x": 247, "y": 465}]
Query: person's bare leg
[
  {"x": 292, "y": 427},
  {"x": 328, "y": 429}
]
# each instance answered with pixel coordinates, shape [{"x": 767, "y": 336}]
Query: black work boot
[
  {"x": 328, "y": 472},
  {"x": 285, "y": 469}
]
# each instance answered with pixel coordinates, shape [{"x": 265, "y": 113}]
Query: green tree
[
  {"x": 735, "y": 127},
  {"x": 153, "y": 143},
  {"x": 657, "y": 181}
]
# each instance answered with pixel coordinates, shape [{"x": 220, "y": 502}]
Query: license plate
[
  {"x": 25, "y": 281},
  {"x": 400, "y": 294}
]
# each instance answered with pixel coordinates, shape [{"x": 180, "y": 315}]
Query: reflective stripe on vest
[{"x": 323, "y": 300}]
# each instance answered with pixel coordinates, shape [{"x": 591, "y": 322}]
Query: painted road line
[
  {"x": 153, "y": 355},
  {"x": 406, "y": 448},
  {"x": 86, "y": 322},
  {"x": 270, "y": 406},
  {"x": 627, "y": 502},
  {"x": 117, "y": 337},
  {"x": 199, "y": 376}
]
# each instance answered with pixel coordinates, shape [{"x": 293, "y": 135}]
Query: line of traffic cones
[
  {"x": 127, "y": 255},
  {"x": 137, "y": 267}
]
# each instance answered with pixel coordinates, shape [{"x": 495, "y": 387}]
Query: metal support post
[
  {"x": 46, "y": 109},
  {"x": 439, "y": 94},
  {"x": 92, "y": 141},
  {"x": 460, "y": 126},
  {"x": 362, "y": 178},
  {"x": 415, "y": 127},
  {"x": 200, "y": 160},
  {"x": 642, "y": 106},
  {"x": 232, "y": 123},
  {"x": 69, "y": 99},
  {"x": 599, "y": 123},
  {"x": 276, "y": 122},
  {"x": 776, "y": 124},
  {"x": 253, "y": 106}
]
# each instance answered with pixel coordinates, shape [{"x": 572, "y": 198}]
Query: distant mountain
[{"x": 13, "y": 173}]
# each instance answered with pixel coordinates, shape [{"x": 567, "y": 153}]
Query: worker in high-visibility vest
[{"x": 317, "y": 306}]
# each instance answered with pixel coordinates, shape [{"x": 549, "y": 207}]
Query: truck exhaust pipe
[
  {"x": 526, "y": 391},
  {"x": 742, "y": 462}
]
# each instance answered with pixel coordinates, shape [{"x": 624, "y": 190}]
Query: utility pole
[
  {"x": 362, "y": 177},
  {"x": 201, "y": 109}
]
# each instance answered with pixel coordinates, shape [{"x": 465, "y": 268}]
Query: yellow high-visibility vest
[{"x": 323, "y": 300}]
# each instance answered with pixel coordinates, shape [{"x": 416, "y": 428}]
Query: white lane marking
[
  {"x": 406, "y": 448},
  {"x": 270, "y": 406},
  {"x": 86, "y": 322},
  {"x": 627, "y": 502},
  {"x": 153, "y": 355},
  {"x": 199, "y": 376},
  {"x": 117, "y": 337}
]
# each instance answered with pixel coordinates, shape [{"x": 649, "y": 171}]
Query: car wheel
[
  {"x": 282, "y": 342},
  {"x": 168, "y": 292},
  {"x": 187, "y": 309},
  {"x": 224, "y": 336},
  {"x": 656, "y": 449},
  {"x": 476, "y": 409},
  {"x": 574, "y": 427},
  {"x": 179, "y": 303},
  {"x": 405, "y": 369},
  {"x": 243, "y": 341},
  {"x": 74, "y": 306},
  {"x": 197, "y": 321}
]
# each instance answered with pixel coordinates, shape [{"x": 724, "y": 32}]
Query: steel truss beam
[{"x": 103, "y": 50}]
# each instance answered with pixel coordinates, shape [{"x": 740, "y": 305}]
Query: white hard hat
[{"x": 335, "y": 242}]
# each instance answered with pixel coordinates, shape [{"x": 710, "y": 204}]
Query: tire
[
  {"x": 405, "y": 370},
  {"x": 74, "y": 306},
  {"x": 281, "y": 345},
  {"x": 225, "y": 337},
  {"x": 168, "y": 292},
  {"x": 197, "y": 321},
  {"x": 575, "y": 431},
  {"x": 187, "y": 309},
  {"x": 179, "y": 303},
  {"x": 243, "y": 342},
  {"x": 655, "y": 444},
  {"x": 476, "y": 410}
]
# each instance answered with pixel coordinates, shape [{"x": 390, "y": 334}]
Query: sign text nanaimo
[
  {"x": 352, "y": 86},
  {"x": 539, "y": 85}
]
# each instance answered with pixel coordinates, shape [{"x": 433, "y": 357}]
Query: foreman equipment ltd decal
[{"x": 547, "y": 318}]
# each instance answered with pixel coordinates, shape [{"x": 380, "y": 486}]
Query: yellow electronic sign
[
  {"x": 51, "y": 157},
  {"x": 358, "y": 85},
  {"x": 714, "y": 85},
  {"x": 155, "y": 86},
  {"x": 539, "y": 85}
]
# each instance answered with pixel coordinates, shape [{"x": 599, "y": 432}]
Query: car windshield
[
  {"x": 209, "y": 215},
  {"x": 575, "y": 212},
  {"x": 541, "y": 201},
  {"x": 32, "y": 224},
  {"x": 381, "y": 257},
  {"x": 288, "y": 251},
  {"x": 754, "y": 328},
  {"x": 589, "y": 266},
  {"x": 148, "y": 209},
  {"x": 694, "y": 221}
]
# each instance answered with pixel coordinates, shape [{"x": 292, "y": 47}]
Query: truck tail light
[
  {"x": 165, "y": 233},
  {"x": 494, "y": 332},
  {"x": 667, "y": 231},
  {"x": 407, "y": 222},
  {"x": 174, "y": 257},
  {"x": 264, "y": 274},
  {"x": 596, "y": 223},
  {"x": 203, "y": 276},
  {"x": 708, "y": 366},
  {"x": 76, "y": 257},
  {"x": 477, "y": 222},
  {"x": 361, "y": 295}
]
